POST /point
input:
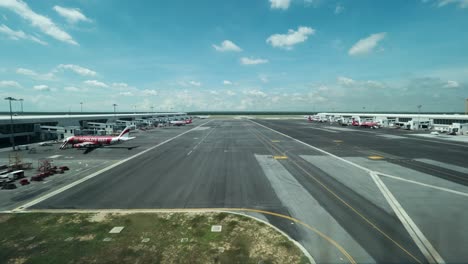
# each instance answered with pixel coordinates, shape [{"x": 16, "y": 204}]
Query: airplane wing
[
  {"x": 86, "y": 145},
  {"x": 127, "y": 138}
]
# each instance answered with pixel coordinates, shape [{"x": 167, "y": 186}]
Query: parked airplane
[
  {"x": 181, "y": 122},
  {"x": 315, "y": 118},
  {"x": 96, "y": 141},
  {"x": 368, "y": 124}
]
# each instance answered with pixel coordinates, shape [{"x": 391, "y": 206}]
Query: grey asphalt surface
[
  {"x": 80, "y": 162},
  {"x": 231, "y": 164}
]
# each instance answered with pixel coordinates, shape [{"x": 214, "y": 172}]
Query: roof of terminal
[
  {"x": 433, "y": 116},
  {"x": 26, "y": 117}
]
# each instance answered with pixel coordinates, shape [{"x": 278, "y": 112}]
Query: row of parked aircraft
[{"x": 354, "y": 122}]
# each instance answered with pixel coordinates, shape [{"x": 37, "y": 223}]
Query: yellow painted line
[
  {"x": 376, "y": 157},
  {"x": 348, "y": 205},
  {"x": 275, "y": 141},
  {"x": 338, "y": 141},
  {"x": 280, "y": 157}
]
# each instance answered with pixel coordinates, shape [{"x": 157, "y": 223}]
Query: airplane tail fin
[{"x": 125, "y": 133}]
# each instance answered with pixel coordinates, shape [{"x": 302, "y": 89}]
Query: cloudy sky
[{"x": 288, "y": 55}]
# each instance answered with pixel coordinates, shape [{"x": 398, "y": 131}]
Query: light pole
[
  {"x": 21, "y": 101},
  {"x": 134, "y": 109},
  {"x": 419, "y": 116},
  {"x": 81, "y": 107},
  {"x": 12, "y": 138},
  {"x": 152, "y": 109},
  {"x": 114, "y": 105}
]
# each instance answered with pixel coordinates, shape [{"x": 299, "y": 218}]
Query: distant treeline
[
  {"x": 224, "y": 113},
  {"x": 302, "y": 113},
  {"x": 68, "y": 113}
]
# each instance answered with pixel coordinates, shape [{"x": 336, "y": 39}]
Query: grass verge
[{"x": 146, "y": 238}]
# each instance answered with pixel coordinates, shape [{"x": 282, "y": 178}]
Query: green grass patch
[{"x": 171, "y": 238}]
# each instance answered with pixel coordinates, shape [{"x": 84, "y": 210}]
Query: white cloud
[
  {"x": 72, "y": 89},
  {"x": 35, "y": 75},
  {"x": 77, "y": 69},
  {"x": 323, "y": 88},
  {"x": 214, "y": 92},
  {"x": 339, "y": 9},
  {"x": 345, "y": 81},
  {"x": 280, "y": 4},
  {"x": 374, "y": 84},
  {"x": 460, "y": 3},
  {"x": 287, "y": 41},
  {"x": 126, "y": 93},
  {"x": 17, "y": 35},
  {"x": 366, "y": 45},
  {"x": 230, "y": 93},
  {"x": 255, "y": 92},
  {"x": 252, "y": 61},
  {"x": 190, "y": 83},
  {"x": 148, "y": 92},
  {"x": 227, "y": 45},
  {"x": 72, "y": 15},
  {"x": 452, "y": 84},
  {"x": 263, "y": 78},
  {"x": 226, "y": 82},
  {"x": 11, "y": 84},
  {"x": 348, "y": 82},
  {"x": 41, "y": 87},
  {"x": 96, "y": 83},
  {"x": 120, "y": 85},
  {"x": 195, "y": 83},
  {"x": 41, "y": 22},
  {"x": 26, "y": 72},
  {"x": 313, "y": 3}
]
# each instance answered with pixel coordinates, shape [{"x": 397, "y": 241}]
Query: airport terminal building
[
  {"x": 31, "y": 128},
  {"x": 436, "y": 122}
]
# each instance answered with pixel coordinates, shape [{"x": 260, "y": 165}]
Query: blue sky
[{"x": 289, "y": 55}]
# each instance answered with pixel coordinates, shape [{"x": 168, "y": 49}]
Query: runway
[{"x": 313, "y": 183}]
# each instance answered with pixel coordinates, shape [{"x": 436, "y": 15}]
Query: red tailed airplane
[{"x": 96, "y": 141}]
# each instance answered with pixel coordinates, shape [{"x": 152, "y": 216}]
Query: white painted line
[
  {"x": 323, "y": 129},
  {"x": 439, "y": 142},
  {"x": 424, "y": 184},
  {"x": 459, "y": 138},
  {"x": 341, "y": 129},
  {"x": 196, "y": 146},
  {"x": 359, "y": 130},
  {"x": 54, "y": 156},
  {"x": 66, "y": 187},
  {"x": 292, "y": 195},
  {"x": 418, "y": 237},
  {"x": 389, "y": 136},
  {"x": 444, "y": 165}
]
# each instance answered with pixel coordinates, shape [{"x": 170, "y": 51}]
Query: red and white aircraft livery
[
  {"x": 368, "y": 124},
  {"x": 181, "y": 122},
  {"x": 96, "y": 141}
]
